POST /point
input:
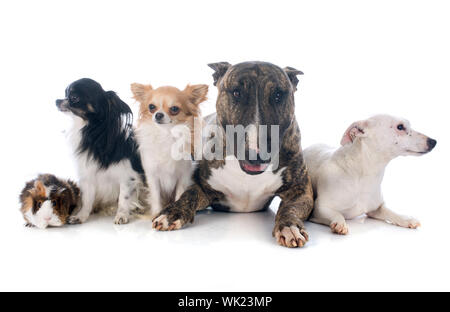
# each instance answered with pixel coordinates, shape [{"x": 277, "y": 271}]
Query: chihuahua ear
[
  {"x": 219, "y": 70},
  {"x": 292, "y": 74},
  {"x": 196, "y": 93},
  {"x": 356, "y": 130},
  {"x": 140, "y": 90}
]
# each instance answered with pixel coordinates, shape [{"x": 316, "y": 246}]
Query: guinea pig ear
[
  {"x": 39, "y": 189},
  {"x": 356, "y": 130},
  {"x": 219, "y": 70},
  {"x": 61, "y": 191},
  {"x": 292, "y": 74},
  {"x": 140, "y": 91}
]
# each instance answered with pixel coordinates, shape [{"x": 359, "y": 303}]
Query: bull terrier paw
[
  {"x": 162, "y": 223},
  {"x": 340, "y": 228},
  {"x": 291, "y": 236}
]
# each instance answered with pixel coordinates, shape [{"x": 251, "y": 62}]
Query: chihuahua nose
[
  {"x": 159, "y": 116},
  {"x": 431, "y": 143}
]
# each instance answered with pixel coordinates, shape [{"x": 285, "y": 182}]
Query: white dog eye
[{"x": 401, "y": 127}]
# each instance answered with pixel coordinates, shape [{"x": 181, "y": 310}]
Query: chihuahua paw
[
  {"x": 291, "y": 236},
  {"x": 340, "y": 228},
  {"x": 162, "y": 223}
]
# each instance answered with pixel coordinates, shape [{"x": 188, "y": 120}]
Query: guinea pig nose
[
  {"x": 159, "y": 116},
  {"x": 47, "y": 218},
  {"x": 431, "y": 143}
]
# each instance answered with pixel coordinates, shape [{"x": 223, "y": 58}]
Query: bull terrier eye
[
  {"x": 401, "y": 127},
  {"x": 278, "y": 96},
  {"x": 174, "y": 110},
  {"x": 152, "y": 108}
]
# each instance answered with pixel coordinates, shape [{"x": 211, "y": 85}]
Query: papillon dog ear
[
  {"x": 356, "y": 130},
  {"x": 196, "y": 93},
  {"x": 140, "y": 91}
]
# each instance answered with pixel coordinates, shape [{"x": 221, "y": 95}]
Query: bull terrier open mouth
[{"x": 249, "y": 170}]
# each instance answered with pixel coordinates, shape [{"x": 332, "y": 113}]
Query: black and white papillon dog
[{"x": 109, "y": 166}]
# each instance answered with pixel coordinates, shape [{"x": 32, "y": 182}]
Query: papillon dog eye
[
  {"x": 174, "y": 110},
  {"x": 74, "y": 99},
  {"x": 152, "y": 108},
  {"x": 401, "y": 127}
]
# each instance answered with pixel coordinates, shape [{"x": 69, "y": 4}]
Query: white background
[{"x": 359, "y": 58}]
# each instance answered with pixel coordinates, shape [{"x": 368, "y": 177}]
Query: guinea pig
[{"x": 48, "y": 201}]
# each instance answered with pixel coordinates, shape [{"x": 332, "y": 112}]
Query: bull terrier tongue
[{"x": 255, "y": 168}]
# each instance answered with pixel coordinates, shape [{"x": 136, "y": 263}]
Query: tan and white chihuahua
[{"x": 166, "y": 137}]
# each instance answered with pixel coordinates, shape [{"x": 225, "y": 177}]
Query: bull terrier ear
[
  {"x": 292, "y": 74},
  {"x": 219, "y": 70},
  {"x": 356, "y": 130},
  {"x": 196, "y": 93},
  {"x": 140, "y": 91}
]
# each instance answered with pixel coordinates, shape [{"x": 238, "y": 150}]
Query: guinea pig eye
[
  {"x": 39, "y": 204},
  {"x": 152, "y": 108},
  {"x": 174, "y": 110},
  {"x": 401, "y": 127},
  {"x": 237, "y": 94},
  {"x": 54, "y": 203}
]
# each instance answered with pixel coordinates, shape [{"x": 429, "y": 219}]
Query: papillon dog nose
[{"x": 159, "y": 116}]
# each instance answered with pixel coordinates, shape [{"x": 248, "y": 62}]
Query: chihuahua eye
[
  {"x": 174, "y": 110},
  {"x": 152, "y": 108},
  {"x": 401, "y": 127},
  {"x": 236, "y": 94}
]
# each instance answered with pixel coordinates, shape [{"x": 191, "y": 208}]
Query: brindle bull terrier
[{"x": 252, "y": 93}]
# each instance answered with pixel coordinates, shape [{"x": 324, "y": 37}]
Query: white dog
[{"x": 347, "y": 180}]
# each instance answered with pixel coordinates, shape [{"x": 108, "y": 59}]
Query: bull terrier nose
[
  {"x": 159, "y": 116},
  {"x": 431, "y": 143}
]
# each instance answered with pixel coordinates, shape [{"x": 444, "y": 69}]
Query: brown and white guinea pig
[{"x": 48, "y": 201}]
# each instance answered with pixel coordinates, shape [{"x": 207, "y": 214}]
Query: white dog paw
[
  {"x": 291, "y": 237},
  {"x": 412, "y": 223},
  {"x": 121, "y": 219},
  {"x": 340, "y": 228},
  {"x": 161, "y": 223},
  {"x": 76, "y": 220}
]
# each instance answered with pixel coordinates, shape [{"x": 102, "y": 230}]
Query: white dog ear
[{"x": 356, "y": 130}]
